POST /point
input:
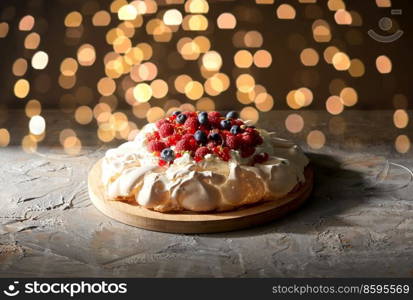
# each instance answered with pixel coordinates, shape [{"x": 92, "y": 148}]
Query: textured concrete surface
[{"x": 358, "y": 222}]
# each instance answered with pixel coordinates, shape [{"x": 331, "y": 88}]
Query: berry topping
[
  {"x": 260, "y": 158},
  {"x": 203, "y": 118},
  {"x": 214, "y": 118},
  {"x": 215, "y": 137},
  {"x": 166, "y": 130},
  {"x": 232, "y": 141},
  {"x": 181, "y": 118},
  {"x": 202, "y": 133},
  {"x": 156, "y": 146},
  {"x": 235, "y": 129},
  {"x": 247, "y": 151},
  {"x": 201, "y": 137},
  {"x": 191, "y": 124},
  {"x": 226, "y": 124},
  {"x": 168, "y": 154},
  {"x": 201, "y": 152},
  {"x": 161, "y": 122},
  {"x": 232, "y": 115}
]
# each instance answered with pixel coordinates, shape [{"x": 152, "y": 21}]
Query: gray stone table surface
[{"x": 358, "y": 222}]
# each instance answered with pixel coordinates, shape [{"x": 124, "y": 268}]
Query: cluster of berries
[{"x": 204, "y": 133}]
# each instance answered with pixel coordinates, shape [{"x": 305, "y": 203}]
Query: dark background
[{"x": 375, "y": 90}]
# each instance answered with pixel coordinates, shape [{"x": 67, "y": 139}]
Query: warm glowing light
[
  {"x": 245, "y": 83},
  {"x": 316, "y": 139},
  {"x": 19, "y": 67},
  {"x": 4, "y": 29},
  {"x": 4, "y": 137},
  {"x": 106, "y": 86},
  {"x": 73, "y": 19},
  {"x": 250, "y": 114},
  {"x": 309, "y": 57},
  {"x": 212, "y": 61},
  {"x": 159, "y": 88},
  {"x": 334, "y": 105},
  {"x": 37, "y": 125},
  {"x": 264, "y": 102},
  {"x": 172, "y": 17},
  {"x": 195, "y": 23},
  {"x": 181, "y": 81},
  {"x": 384, "y": 64},
  {"x": 253, "y": 39},
  {"x": 154, "y": 114},
  {"x": 101, "y": 18},
  {"x": 194, "y": 90},
  {"x": 349, "y": 96},
  {"x": 33, "y": 108},
  {"x": 196, "y": 6},
  {"x": 357, "y": 68},
  {"x": 69, "y": 66},
  {"x": 243, "y": 59},
  {"x": 329, "y": 54},
  {"x": 262, "y": 59},
  {"x": 26, "y": 23},
  {"x": 341, "y": 61},
  {"x": 321, "y": 31},
  {"x": 285, "y": 11},
  {"x": 32, "y": 41},
  {"x": 400, "y": 118},
  {"x": 343, "y": 17},
  {"x": 127, "y": 12},
  {"x": 226, "y": 21},
  {"x": 383, "y": 3},
  {"x": 21, "y": 88},
  {"x": 294, "y": 123},
  {"x": 40, "y": 60},
  {"x": 86, "y": 55},
  {"x": 402, "y": 144},
  {"x": 142, "y": 92},
  {"x": 83, "y": 115}
]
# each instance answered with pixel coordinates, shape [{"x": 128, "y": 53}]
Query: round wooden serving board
[{"x": 190, "y": 222}]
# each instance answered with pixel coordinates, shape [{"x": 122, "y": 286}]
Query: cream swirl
[{"x": 131, "y": 171}]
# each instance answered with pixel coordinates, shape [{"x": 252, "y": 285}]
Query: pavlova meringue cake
[{"x": 202, "y": 162}]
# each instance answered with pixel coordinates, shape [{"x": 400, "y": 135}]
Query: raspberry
[
  {"x": 201, "y": 152},
  {"x": 153, "y": 136},
  {"x": 232, "y": 141},
  {"x": 173, "y": 139},
  {"x": 156, "y": 146},
  {"x": 212, "y": 144},
  {"x": 258, "y": 140},
  {"x": 189, "y": 144},
  {"x": 247, "y": 151},
  {"x": 166, "y": 130},
  {"x": 214, "y": 114},
  {"x": 162, "y": 163},
  {"x": 248, "y": 139},
  {"x": 190, "y": 114},
  {"x": 214, "y": 119},
  {"x": 161, "y": 122},
  {"x": 224, "y": 154},
  {"x": 191, "y": 124},
  {"x": 261, "y": 158}
]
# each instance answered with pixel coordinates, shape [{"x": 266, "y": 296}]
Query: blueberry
[
  {"x": 226, "y": 124},
  {"x": 200, "y": 137},
  {"x": 167, "y": 154},
  {"x": 203, "y": 118},
  {"x": 215, "y": 136},
  {"x": 232, "y": 115},
  {"x": 176, "y": 113},
  {"x": 235, "y": 129},
  {"x": 181, "y": 118}
]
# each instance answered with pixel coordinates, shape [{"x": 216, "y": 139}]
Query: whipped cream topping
[{"x": 132, "y": 172}]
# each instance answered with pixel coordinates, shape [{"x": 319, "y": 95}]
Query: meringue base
[{"x": 191, "y": 222}]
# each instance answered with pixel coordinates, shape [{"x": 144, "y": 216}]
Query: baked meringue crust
[{"x": 131, "y": 173}]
